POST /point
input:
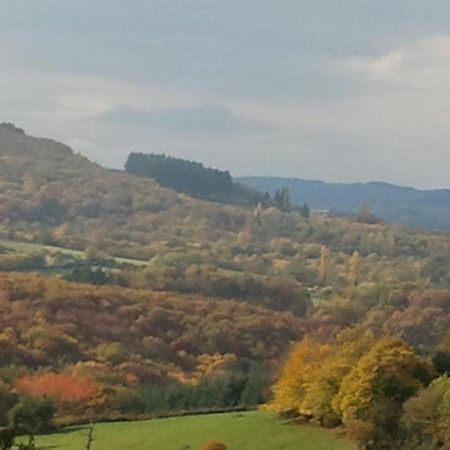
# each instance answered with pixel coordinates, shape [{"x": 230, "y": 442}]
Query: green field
[
  {"x": 35, "y": 247},
  {"x": 239, "y": 431}
]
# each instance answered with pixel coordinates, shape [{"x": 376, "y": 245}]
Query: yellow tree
[
  {"x": 325, "y": 382},
  {"x": 355, "y": 264},
  {"x": 297, "y": 374},
  {"x": 373, "y": 393},
  {"x": 324, "y": 264}
]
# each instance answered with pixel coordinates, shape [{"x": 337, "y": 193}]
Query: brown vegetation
[{"x": 213, "y": 445}]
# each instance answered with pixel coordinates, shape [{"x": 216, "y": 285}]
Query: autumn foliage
[
  {"x": 427, "y": 416},
  {"x": 61, "y": 387},
  {"x": 357, "y": 380},
  {"x": 217, "y": 288}
]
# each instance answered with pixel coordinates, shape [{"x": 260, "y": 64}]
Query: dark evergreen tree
[
  {"x": 189, "y": 177},
  {"x": 7, "y": 438},
  {"x": 304, "y": 211},
  {"x": 33, "y": 415},
  {"x": 254, "y": 390},
  {"x": 194, "y": 179},
  {"x": 282, "y": 200}
]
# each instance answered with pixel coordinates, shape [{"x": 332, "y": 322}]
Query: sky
[{"x": 337, "y": 90}]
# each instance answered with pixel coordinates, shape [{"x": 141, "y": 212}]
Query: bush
[
  {"x": 7, "y": 437},
  {"x": 426, "y": 417},
  {"x": 7, "y": 401},
  {"x": 33, "y": 415},
  {"x": 213, "y": 445}
]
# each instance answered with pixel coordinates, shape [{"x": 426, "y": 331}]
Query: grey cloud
[
  {"x": 203, "y": 120},
  {"x": 253, "y": 48},
  {"x": 356, "y": 89}
]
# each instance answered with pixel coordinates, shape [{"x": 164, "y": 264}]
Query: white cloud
[{"x": 422, "y": 64}]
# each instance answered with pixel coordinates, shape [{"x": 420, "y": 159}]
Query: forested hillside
[
  {"x": 205, "y": 306},
  {"x": 193, "y": 179},
  {"x": 49, "y": 194},
  {"x": 125, "y": 340},
  {"x": 420, "y": 208}
]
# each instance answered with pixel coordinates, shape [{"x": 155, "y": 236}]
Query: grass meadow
[{"x": 239, "y": 431}]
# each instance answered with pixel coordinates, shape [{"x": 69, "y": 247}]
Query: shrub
[
  {"x": 7, "y": 401},
  {"x": 7, "y": 437},
  {"x": 33, "y": 415},
  {"x": 213, "y": 445}
]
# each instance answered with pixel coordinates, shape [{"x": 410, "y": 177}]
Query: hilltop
[{"x": 51, "y": 195}]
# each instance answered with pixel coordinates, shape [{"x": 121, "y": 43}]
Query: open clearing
[{"x": 239, "y": 431}]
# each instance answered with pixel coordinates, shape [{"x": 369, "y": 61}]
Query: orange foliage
[
  {"x": 131, "y": 378},
  {"x": 61, "y": 387}
]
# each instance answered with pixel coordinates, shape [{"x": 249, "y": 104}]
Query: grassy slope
[
  {"x": 36, "y": 247},
  {"x": 240, "y": 431}
]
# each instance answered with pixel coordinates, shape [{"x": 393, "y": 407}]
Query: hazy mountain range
[{"x": 420, "y": 208}]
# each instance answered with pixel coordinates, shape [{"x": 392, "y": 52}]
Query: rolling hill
[
  {"x": 50, "y": 195},
  {"x": 195, "y": 302}
]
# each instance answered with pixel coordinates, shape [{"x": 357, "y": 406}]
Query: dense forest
[
  {"x": 127, "y": 341},
  {"x": 136, "y": 300},
  {"x": 193, "y": 179}
]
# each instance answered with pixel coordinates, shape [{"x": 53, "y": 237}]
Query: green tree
[
  {"x": 7, "y": 401},
  {"x": 7, "y": 438},
  {"x": 365, "y": 214},
  {"x": 282, "y": 200},
  {"x": 426, "y": 417},
  {"x": 33, "y": 415},
  {"x": 304, "y": 211},
  {"x": 253, "y": 393}
]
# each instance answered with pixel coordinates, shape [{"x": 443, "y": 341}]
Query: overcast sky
[{"x": 338, "y": 90}]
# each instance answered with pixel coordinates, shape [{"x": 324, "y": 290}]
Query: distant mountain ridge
[{"x": 404, "y": 205}]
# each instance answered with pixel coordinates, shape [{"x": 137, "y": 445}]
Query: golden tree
[
  {"x": 324, "y": 264},
  {"x": 290, "y": 388},
  {"x": 355, "y": 264},
  {"x": 372, "y": 394},
  {"x": 312, "y": 376}
]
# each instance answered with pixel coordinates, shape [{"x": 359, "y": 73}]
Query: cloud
[
  {"x": 421, "y": 64},
  {"x": 332, "y": 89},
  {"x": 207, "y": 119}
]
